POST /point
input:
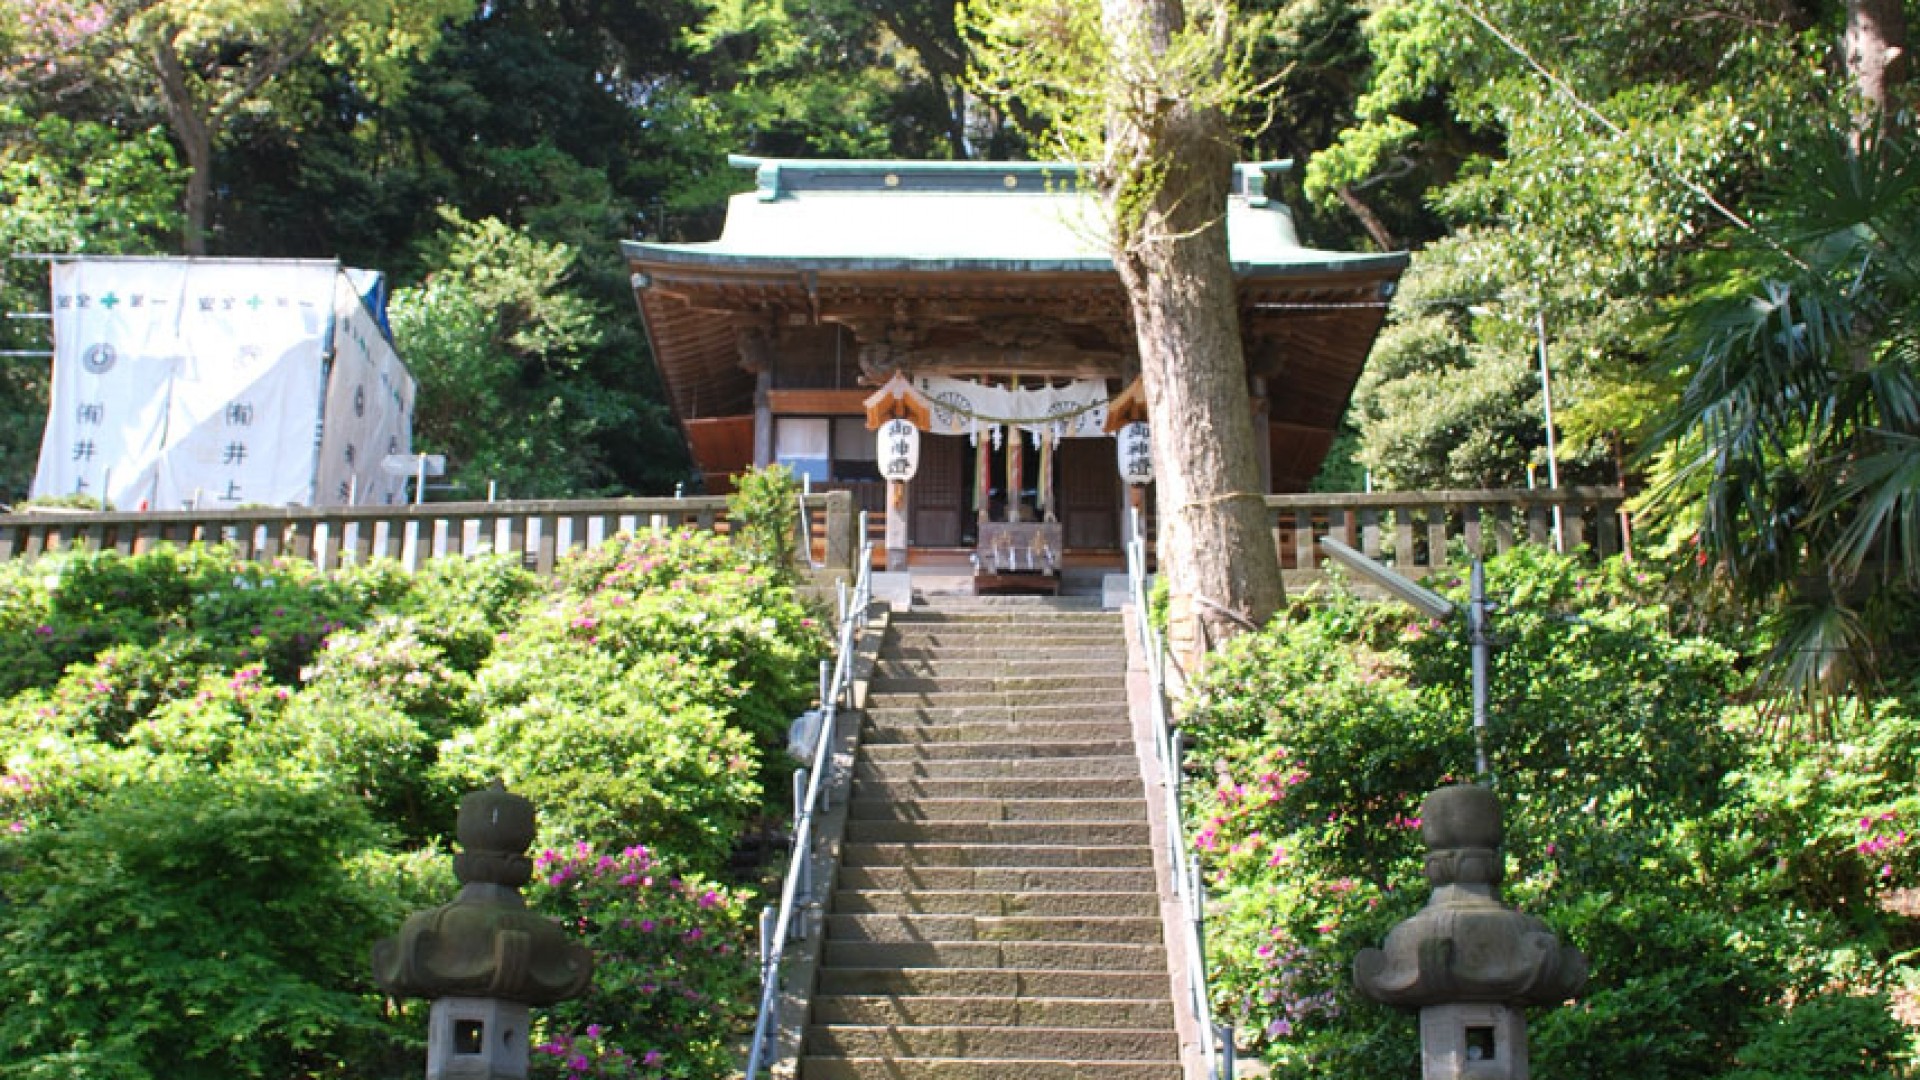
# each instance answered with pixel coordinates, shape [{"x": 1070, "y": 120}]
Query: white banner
[
  {"x": 180, "y": 382},
  {"x": 369, "y": 411},
  {"x": 1077, "y": 410}
]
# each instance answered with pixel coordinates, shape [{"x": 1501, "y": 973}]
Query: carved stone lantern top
[
  {"x": 486, "y": 944},
  {"x": 1465, "y": 946}
]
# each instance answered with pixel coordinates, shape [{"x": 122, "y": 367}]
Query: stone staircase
[{"x": 996, "y": 913}]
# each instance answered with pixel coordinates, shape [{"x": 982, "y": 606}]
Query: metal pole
[
  {"x": 1553, "y": 445},
  {"x": 1482, "y": 657}
]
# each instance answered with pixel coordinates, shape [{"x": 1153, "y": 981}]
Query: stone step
[
  {"x": 893, "y": 1011},
  {"x": 1010, "y": 668},
  {"x": 1034, "y": 750},
  {"x": 1040, "y": 650},
  {"x": 943, "y": 929},
  {"x": 957, "y": 614},
  {"x": 1020, "y": 833},
  {"x": 1068, "y": 956},
  {"x": 892, "y": 1068},
  {"x": 921, "y": 790},
  {"x": 995, "y": 982},
  {"x": 985, "y": 855},
  {"x": 991, "y": 624},
  {"x": 1032, "y": 883},
  {"x": 881, "y": 712},
  {"x": 1111, "y": 700},
  {"x": 974, "y": 902},
  {"x": 970, "y": 1042},
  {"x": 1010, "y": 684},
  {"x": 981, "y": 731},
  {"x": 904, "y": 767},
  {"x": 868, "y": 808},
  {"x": 1005, "y": 635}
]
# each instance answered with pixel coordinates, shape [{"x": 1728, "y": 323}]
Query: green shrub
[
  {"x": 674, "y": 968},
  {"x": 764, "y": 512},
  {"x": 1714, "y": 877},
  {"x": 620, "y": 754},
  {"x": 207, "y": 927},
  {"x": 395, "y": 659},
  {"x": 462, "y": 606}
]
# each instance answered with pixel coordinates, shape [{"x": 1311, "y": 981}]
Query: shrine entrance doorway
[
  {"x": 946, "y": 514},
  {"x": 1089, "y": 495},
  {"x": 939, "y": 503}
]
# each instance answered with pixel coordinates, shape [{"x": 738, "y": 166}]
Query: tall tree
[
  {"x": 208, "y": 63},
  {"x": 1149, "y": 93}
]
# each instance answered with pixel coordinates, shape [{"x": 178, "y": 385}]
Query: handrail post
[{"x": 842, "y": 543}]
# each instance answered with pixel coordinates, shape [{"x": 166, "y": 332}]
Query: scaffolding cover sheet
[
  {"x": 182, "y": 382},
  {"x": 369, "y": 409}
]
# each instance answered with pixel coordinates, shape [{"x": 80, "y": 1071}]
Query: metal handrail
[
  {"x": 810, "y": 791},
  {"x": 1188, "y": 884}
]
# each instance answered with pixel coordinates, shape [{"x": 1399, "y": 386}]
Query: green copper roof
[{"x": 936, "y": 215}]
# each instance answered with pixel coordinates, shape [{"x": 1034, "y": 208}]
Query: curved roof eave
[{"x": 692, "y": 256}]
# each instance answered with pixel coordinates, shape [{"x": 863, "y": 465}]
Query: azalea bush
[
  {"x": 198, "y": 753},
  {"x": 1723, "y": 881},
  {"x": 209, "y": 926},
  {"x": 674, "y": 975}
]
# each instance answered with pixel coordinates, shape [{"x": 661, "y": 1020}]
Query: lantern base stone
[
  {"x": 1473, "y": 1042},
  {"x": 477, "y": 1039}
]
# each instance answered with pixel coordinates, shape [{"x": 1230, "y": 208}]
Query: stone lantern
[
  {"x": 1466, "y": 961},
  {"x": 484, "y": 959}
]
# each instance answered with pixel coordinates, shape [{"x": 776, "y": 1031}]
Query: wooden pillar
[
  {"x": 1262, "y": 431},
  {"x": 983, "y": 477},
  {"x": 1136, "y": 508},
  {"x": 896, "y": 525},
  {"x": 1015, "y": 450},
  {"x": 763, "y": 419}
]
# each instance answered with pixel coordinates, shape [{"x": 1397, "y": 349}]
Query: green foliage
[
  {"x": 162, "y": 759},
  {"x": 497, "y": 342},
  {"x": 673, "y": 977},
  {"x": 1724, "y": 886},
  {"x": 648, "y": 700},
  {"x": 1790, "y": 461},
  {"x": 614, "y": 753},
  {"x": 764, "y": 508},
  {"x": 206, "y": 927},
  {"x": 461, "y": 606},
  {"x": 1083, "y": 74}
]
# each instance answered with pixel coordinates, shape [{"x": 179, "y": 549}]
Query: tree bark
[
  {"x": 191, "y": 127},
  {"x": 1215, "y": 546},
  {"x": 1876, "y": 49},
  {"x": 1376, "y": 228}
]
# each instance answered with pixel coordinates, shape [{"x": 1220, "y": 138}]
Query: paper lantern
[
  {"x": 899, "y": 450},
  {"x": 1136, "y": 454}
]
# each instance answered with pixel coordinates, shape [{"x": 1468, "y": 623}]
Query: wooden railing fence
[
  {"x": 1416, "y": 532},
  {"x": 1420, "y": 532},
  {"x": 539, "y": 532}
]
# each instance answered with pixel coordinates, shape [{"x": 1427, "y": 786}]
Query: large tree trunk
[
  {"x": 190, "y": 126},
  {"x": 1215, "y": 546},
  {"x": 1876, "y": 49}
]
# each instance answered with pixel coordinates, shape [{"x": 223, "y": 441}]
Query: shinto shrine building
[{"x": 977, "y": 300}]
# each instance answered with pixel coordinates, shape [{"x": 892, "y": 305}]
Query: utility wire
[{"x": 1654, "y": 164}]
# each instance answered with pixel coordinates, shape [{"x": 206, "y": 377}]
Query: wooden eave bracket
[
  {"x": 1129, "y": 408},
  {"x": 898, "y": 398}
]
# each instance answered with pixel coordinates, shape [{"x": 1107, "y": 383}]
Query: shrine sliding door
[
  {"x": 1090, "y": 502},
  {"x": 938, "y": 501}
]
